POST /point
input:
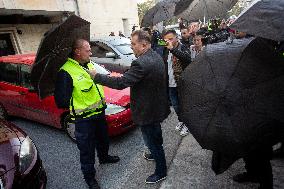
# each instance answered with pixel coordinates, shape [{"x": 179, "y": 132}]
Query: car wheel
[
  {"x": 69, "y": 127},
  {"x": 3, "y": 113}
]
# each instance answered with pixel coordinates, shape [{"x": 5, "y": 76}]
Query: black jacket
[
  {"x": 148, "y": 91},
  {"x": 63, "y": 89},
  {"x": 187, "y": 42},
  {"x": 183, "y": 55}
]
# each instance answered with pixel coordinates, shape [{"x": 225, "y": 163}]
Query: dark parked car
[
  {"x": 114, "y": 53},
  {"x": 20, "y": 164}
]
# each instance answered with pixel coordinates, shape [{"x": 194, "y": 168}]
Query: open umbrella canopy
[
  {"x": 164, "y": 10},
  {"x": 264, "y": 18},
  {"x": 55, "y": 47},
  {"x": 188, "y": 9},
  {"x": 230, "y": 96},
  {"x": 199, "y": 9}
]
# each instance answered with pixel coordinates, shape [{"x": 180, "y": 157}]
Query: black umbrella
[
  {"x": 55, "y": 47},
  {"x": 199, "y": 9},
  {"x": 188, "y": 9},
  {"x": 230, "y": 96},
  {"x": 263, "y": 18},
  {"x": 164, "y": 10}
]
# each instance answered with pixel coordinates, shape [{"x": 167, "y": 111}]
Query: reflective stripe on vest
[
  {"x": 92, "y": 107},
  {"x": 87, "y": 97}
]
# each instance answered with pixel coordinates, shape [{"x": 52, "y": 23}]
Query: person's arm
[
  {"x": 63, "y": 89},
  {"x": 183, "y": 55},
  {"x": 128, "y": 79}
]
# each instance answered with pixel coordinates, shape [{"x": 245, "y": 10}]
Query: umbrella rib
[
  {"x": 41, "y": 76},
  {"x": 43, "y": 58},
  {"x": 219, "y": 101}
]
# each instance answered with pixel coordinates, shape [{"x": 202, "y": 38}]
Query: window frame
[{"x": 104, "y": 46}]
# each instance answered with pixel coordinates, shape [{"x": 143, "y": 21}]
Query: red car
[
  {"x": 20, "y": 164},
  {"x": 18, "y": 98}
]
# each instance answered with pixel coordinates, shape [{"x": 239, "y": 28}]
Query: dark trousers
[
  {"x": 152, "y": 136},
  {"x": 258, "y": 165},
  {"x": 91, "y": 133},
  {"x": 173, "y": 94}
]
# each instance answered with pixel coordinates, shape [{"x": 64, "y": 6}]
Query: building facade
[{"x": 24, "y": 22}]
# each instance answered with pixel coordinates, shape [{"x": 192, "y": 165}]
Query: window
[
  {"x": 26, "y": 76},
  {"x": 124, "y": 49},
  {"x": 6, "y": 46},
  {"x": 9, "y": 73},
  {"x": 100, "y": 49}
]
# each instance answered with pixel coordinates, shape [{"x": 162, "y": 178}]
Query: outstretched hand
[{"x": 92, "y": 73}]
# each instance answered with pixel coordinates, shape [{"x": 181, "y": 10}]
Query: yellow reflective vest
[{"x": 87, "y": 97}]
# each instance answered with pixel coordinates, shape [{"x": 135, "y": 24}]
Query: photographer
[{"x": 176, "y": 57}]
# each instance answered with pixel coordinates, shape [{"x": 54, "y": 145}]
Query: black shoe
[
  {"x": 93, "y": 184},
  {"x": 110, "y": 159},
  {"x": 244, "y": 177},
  {"x": 155, "y": 179},
  {"x": 148, "y": 156}
]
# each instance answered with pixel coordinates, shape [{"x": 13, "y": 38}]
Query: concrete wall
[
  {"x": 48, "y": 5},
  {"x": 31, "y": 35},
  {"x": 107, "y": 15}
]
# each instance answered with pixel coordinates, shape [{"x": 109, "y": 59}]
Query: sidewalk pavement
[{"x": 191, "y": 168}]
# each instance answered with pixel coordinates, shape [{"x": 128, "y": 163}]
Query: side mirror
[{"x": 110, "y": 55}]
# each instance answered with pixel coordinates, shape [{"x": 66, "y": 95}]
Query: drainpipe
[{"x": 77, "y": 7}]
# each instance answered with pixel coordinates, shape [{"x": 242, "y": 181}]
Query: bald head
[{"x": 81, "y": 51}]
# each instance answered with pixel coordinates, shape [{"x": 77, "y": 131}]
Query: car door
[
  {"x": 10, "y": 90},
  {"x": 33, "y": 107},
  {"x": 101, "y": 55}
]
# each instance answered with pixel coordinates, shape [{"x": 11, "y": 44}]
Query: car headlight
[
  {"x": 113, "y": 109},
  {"x": 27, "y": 154}
]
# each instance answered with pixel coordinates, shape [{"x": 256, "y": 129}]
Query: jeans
[
  {"x": 173, "y": 93},
  {"x": 152, "y": 136},
  {"x": 91, "y": 133}
]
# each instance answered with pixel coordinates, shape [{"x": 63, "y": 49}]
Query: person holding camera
[{"x": 176, "y": 58}]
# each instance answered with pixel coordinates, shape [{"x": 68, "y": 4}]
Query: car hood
[
  {"x": 10, "y": 141},
  {"x": 118, "y": 97}
]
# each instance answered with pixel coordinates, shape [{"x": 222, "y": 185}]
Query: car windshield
[
  {"x": 100, "y": 69},
  {"x": 124, "y": 49}
]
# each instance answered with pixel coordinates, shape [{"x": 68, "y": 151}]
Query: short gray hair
[
  {"x": 78, "y": 43},
  {"x": 142, "y": 36}
]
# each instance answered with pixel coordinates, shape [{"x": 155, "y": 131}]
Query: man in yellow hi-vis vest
[{"x": 77, "y": 91}]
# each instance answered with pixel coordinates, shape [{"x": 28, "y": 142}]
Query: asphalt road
[
  {"x": 60, "y": 157},
  {"x": 191, "y": 167}
]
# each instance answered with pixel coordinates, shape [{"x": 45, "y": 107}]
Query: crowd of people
[{"x": 161, "y": 59}]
